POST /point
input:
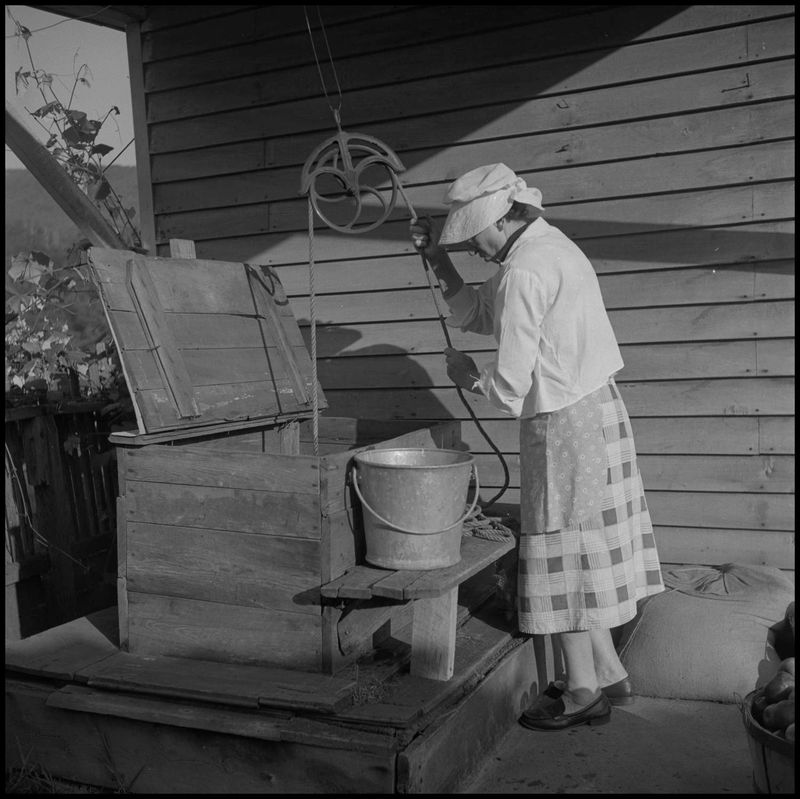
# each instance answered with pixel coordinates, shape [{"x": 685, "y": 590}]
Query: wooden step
[
  {"x": 363, "y": 582},
  {"x": 222, "y": 683}
]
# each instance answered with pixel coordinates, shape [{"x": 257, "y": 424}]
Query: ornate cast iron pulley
[{"x": 341, "y": 162}]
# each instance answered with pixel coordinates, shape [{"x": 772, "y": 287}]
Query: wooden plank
[
  {"x": 55, "y": 181},
  {"x": 668, "y": 97},
  {"x": 673, "y": 288},
  {"x": 262, "y": 726},
  {"x": 751, "y": 397},
  {"x": 261, "y": 512},
  {"x": 671, "y": 138},
  {"x": 182, "y": 248},
  {"x": 364, "y": 581},
  {"x": 184, "y": 286},
  {"x": 206, "y": 435},
  {"x": 231, "y": 568},
  {"x": 721, "y": 510},
  {"x": 775, "y": 357},
  {"x": 750, "y": 474},
  {"x": 49, "y": 504},
  {"x": 363, "y": 618},
  {"x": 679, "y": 172},
  {"x": 661, "y": 361},
  {"x": 433, "y": 636},
  {"x": 190, "y": 465},
  {"x": 173, "y": 371},
  {"x": 177, "y": 78},
  {"x": 774, "y": 280},
  {"x": 162, "y": 17},
  {"x": 597, "y": 217},
  {"x": 476, "y": 554},
  {"x": 716, "y": 547},
  {"x": 220, "y": 683},
  {"x": 79, "y": 747},
  {"x": 734, "y": 473},
  {"x": 61, "y": 652},
  {"x": 236, "y": 26},
  {"x": 453, "y": 748},
  {"x": 634, "y": 251},
  {"x": 354, "y": 584},
  {"x": 734, "y": 435},
  {"x": 215, "y": 366},
  {"x": 566, "y": 73},
  {"x": 264, "y": 301},
  {"x": 765, "y": 320},
  {"x": 218, "y": 399},
  {"x": 197, "y": 630},
  {"x": 776, "y": 435},
  {"x": 719, "y": 397},
  {"x": 144, "y": 168}
]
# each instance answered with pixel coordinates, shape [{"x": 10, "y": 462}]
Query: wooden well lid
[{"x": 204, "y": 344}]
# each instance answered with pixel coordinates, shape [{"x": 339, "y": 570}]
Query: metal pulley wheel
[{"x": 348, "y": 168}]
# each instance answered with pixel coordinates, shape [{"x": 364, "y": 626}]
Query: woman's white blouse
[{"x": 555, "y": 343}]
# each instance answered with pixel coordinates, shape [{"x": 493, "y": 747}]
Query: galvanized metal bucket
[{"x": 413, "y": 502}]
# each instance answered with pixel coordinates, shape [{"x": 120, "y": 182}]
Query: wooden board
[
  {"x": 669, "y": 96},
  {"x": 145, "y": 296},
  {"x": 201, "y": 630},
  {"x": 220, "y": 683},
  {"x": 263, "y": 726},
  {"x": 551, "y": 151},
  {"x": 404, "y": 584},
  {"x": 138, "y": 756},
  {"x": 659, "y": 398},
  {"x": 769, "y": 474},
  {"x": 260, "y": 512},
  {"x": 725, "y": 545},
  {"x": 503, "y": 83},
  {"x": 232, "y": 568},
  {"x": 61, "y": 652}
]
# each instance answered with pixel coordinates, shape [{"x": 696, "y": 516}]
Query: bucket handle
[{"x": 403, "y": 529}]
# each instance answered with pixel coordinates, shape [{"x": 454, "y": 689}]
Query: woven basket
[{"x": 772, "y": 755}]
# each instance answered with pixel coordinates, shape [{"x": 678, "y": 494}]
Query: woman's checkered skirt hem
[{"x": 591, "y": 574}]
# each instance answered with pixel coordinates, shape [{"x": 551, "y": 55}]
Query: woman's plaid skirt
[{"x": 589, "y": 573}]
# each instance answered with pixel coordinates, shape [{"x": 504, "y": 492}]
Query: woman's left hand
[{"x": 461, "y": 369}]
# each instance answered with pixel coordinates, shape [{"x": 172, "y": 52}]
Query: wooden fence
[{"x": 60, "y": 516}]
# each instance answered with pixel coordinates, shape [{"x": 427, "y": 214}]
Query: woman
[{"x": 586, "y": 553}]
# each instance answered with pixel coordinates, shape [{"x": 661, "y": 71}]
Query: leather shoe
[
  {"x": 550, "y": 715},
  {"x": 619, "y": 693}
]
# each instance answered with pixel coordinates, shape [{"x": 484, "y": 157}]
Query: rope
[
  {"x": 336, "y": 111},
  {"x": 428, "y": 272},
  {"x": 489, "y": 527},
  {"x": 459, "y": 390},
  {"x": 313, "y": 316}
]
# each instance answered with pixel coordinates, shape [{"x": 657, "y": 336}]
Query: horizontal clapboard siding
[{"x": 662, "y": 139}]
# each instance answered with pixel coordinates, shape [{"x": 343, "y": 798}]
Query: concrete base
[{"x": 653, "y": 746}]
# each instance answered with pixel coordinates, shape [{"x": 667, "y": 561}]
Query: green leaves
[{"x": 55, "y": 323}]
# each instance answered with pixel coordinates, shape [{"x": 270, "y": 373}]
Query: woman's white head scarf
[{"x": 481, "y": 197}]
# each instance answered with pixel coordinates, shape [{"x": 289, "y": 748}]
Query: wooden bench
[{"x": 435, "y": 600}]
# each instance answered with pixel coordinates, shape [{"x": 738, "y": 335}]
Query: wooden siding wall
[{"x": 663, "y": 140}]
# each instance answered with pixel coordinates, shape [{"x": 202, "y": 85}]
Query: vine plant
[{"x": 57, "y": 339}]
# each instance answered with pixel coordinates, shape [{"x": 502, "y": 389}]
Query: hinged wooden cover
[{"x": 204, "y": 343}]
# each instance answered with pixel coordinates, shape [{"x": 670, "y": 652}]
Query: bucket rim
[{"x": 364, "y": 457}]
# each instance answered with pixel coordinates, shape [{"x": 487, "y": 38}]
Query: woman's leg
[
  {"x": 581, "y": 683},
  {"x": 607, "y": 665}
]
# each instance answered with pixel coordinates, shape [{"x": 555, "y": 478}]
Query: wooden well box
[{"x": 229, "y": 522}]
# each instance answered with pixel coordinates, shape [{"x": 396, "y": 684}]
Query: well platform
[{"x": 88, "y": 712}]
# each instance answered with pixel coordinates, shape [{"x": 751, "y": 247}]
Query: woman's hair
[{"x": 522, "y": 212}]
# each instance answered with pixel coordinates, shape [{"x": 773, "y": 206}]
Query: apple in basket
[{"x": 773, "y": 705}]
